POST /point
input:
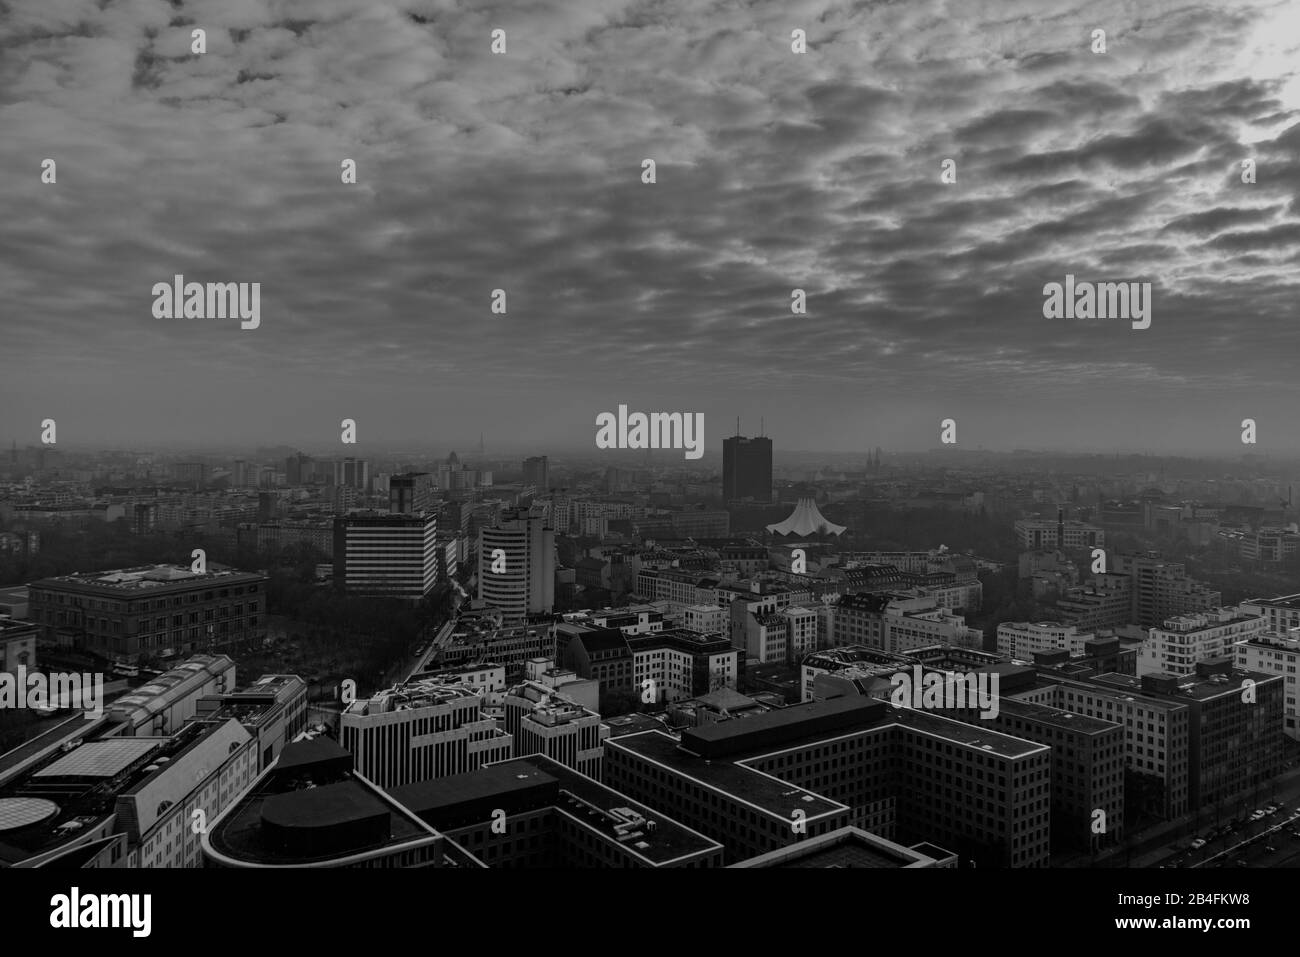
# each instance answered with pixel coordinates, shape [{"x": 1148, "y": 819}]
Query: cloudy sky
[{"x": 522, "y": 171}]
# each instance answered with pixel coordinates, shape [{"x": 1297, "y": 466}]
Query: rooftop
[
  {"x": 537, "y": 782},
  {"x": 144, "y": 578},
  {"x": 847, "y": 847},
  {"x": 283, "y": 821},
  {"x": 759, "y": 790}
]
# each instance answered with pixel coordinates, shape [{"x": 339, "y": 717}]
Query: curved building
[{"x": 517, "y": 565}]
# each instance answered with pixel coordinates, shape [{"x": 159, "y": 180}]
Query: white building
[
  {"x": 517, "y": 565},
  {"x": 1039, "y": 534},
  {"x": 801, "y": 632},
  {"x": 1186, "y": 639},
  {"x": 422, "y": 730},
  {"x": 1024, "y": 639},
  {"x": 1276, "y": 654},
  {"x": 543, "y": 720}
]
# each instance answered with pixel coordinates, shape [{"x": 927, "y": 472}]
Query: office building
[
  {"x": 1037, "y": 535},
  {"x": 536, "y": 813},
  {"x": 155, "y": 611},
  {"x": 853, "y": 847},
  {"x": 352, "y": 473},
  {"x": 1186, "y": 640},
  {"x": 516, "y": 572},
  {"x": 541, "y": 719},
  {"x": 378, "y": 555},
  {"x": 475, "y": 640},
  {"x": 1276, "y": 654},
  {"x": 414, "y": 493},
  {"x": 273, "y": 709},
  {"x": 1105, "y": 603},
  {"x": 89, "y": 797},
  {"x": 776, "y": 779},
  {"x": 681, "y": 664},
  {"x": 312, "y": 809},
  {"x": 1162, "y": 590},
  {"x": 419, "y": 730},
  {"x": 1024, "y": 639},
  {"x": 747, "y": 469},
  {"x": 537, "y": 473},
  {"x": 1281, "y": 613}
]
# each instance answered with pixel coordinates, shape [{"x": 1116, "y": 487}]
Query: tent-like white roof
[{"x": 806, "y": 519}]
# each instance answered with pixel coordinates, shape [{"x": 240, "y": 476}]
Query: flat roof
[
  {"x": 1056, "y": 717},
  {"x": 305, "y": 766},
  {"x": 144, "y": 578},
  {"x": 99, "y": 759},
  {"x": 537, "y": 781},
  {"x": 755, "y": 788},
  {"x": 844, "y": 847}
]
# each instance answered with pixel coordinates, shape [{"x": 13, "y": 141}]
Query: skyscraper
[
  {"x": 353, "y": 473},
  {"x": 381, "y": 555},
  {"x": 747, "y": 468},
  {"x": 516, "y": 570},
  {"x": 536, "y": 472},
  {"x": 412, "y": 493}
]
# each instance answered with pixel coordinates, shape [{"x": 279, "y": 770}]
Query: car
[
  {"x": 1269, "y": 849},
  {"x": 1257, "y": 815},
  {"x": 1239, "y": 863},
  {"x": 1272, "y": 809},
  {"x": 1199, "y": 843}
]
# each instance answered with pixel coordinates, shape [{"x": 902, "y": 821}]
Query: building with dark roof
[
  {"x": 771, "y": 780},
  {"x": 534, "y": 812},
  {"x": 159, "y": 611},
  {"x": 311, "y": 809},
  {"x": 852, "y": 847}
]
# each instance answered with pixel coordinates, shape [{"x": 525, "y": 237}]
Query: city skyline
[{"x": 776, "y": 171}]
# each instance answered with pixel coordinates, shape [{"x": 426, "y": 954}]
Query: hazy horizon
[{"x": 775, "y": 171}]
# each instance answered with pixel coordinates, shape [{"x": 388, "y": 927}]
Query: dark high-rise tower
[
  {"x": 537, "y": 472},
  {"x": 747, "y": 468}
]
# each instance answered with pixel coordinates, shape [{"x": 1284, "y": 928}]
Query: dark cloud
[{"x": 523, "y": 172}]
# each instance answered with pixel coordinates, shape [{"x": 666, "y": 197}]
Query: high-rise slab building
[
  {"x": 386, "y": 556},
  {"x": 299, "y": 469},
  {"x": 352, "y": 473},
  {"x": 413, "y": 493},
  {"x": 747, "y": 468},
  {"x": 537, "y": 472},
  {"x": 517, "y": 565}
]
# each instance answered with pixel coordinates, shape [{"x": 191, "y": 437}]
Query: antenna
[
  {"x": 762, "y": 426},
  {"x": 737, "y": 426}
]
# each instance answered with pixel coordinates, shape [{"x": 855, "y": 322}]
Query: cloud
[{"x": 522, "y": 171}]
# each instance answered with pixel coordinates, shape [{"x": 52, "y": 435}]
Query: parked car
[
  {"x": 1239, "y": 863},
  {"x": 1269, "y": 849},
  {"x": 1257, "y": 815},
  {"x": 1199, "y": 843}
]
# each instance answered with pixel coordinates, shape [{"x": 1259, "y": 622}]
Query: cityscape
[
  {"x": 763, "y": 659},
  {"x": 647, "y": 435}
]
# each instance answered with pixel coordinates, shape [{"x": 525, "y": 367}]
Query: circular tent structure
[{"x": 806, "y": 519}]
